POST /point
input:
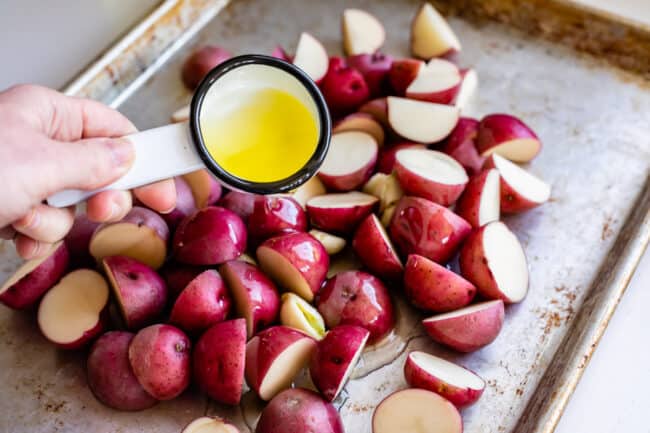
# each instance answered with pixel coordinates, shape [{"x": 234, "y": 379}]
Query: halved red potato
[
  {"x": 374, "y": 68},
  {"x": 205, "y": 188},
  {"x": 386, "y": 160},
  {"x": 363, "y": 33},
  {"x": 438, "y": 82},
  {"x": 403, "y": 72},
  {"x": 387, "y": 215},
  {"x": 350, "y": 161},
  {"x": 416, "y": 410},
  {"x": 311, "y": 57},
  {"x": 280, "y": 53},
  {"x": 480, "y": 202},
  {"x": 210, "y": 424},
  {"x": 35, "y": 277},
  {"x": 430, "y": 174},
  {"x": 461, "y": 145},
  {"x": 362, "y": 122},
  {"x": 142, "y": 235},
  {"x": 301, "y": 315},
  {"x": 73, "y": 312},
  {"x": 375, "y": 249},
  {"x": 241, "y": 203},
  {"x": 422, "y": 227},
  {"x": 177, "y": 276},
  {"x": 520, "y": 189},
  {"x": 424, "y": 122},
  {"x": 507, "y": 136},
  {"x": 378, "y": 109},
  {"x": 340, "y": 213},
  {"x": 467, "y": 91},
  {"x": 433, "y": 287},
  {"x": 274, "y": 357},
  {"x": 386, "y": 188},
  {"x": 469, "y": 328},
  {"x": 453, "y": 382},
  {"x": 185, "y": 204},
  {"x": 493, "y": 259},
  {"x": 273, "y": 215},
  {"x": 431, "y": 36},
  {"x": 312, "y": 188},
  {"x": 78, "y": 239},
  {"x": 333, "y": 244},
  {"x": 296, "y": 261}
]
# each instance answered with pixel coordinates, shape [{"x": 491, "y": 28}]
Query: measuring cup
[{"x": 177, "y": 149}]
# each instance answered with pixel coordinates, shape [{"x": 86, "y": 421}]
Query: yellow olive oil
[{"x": 266, "y": 135}]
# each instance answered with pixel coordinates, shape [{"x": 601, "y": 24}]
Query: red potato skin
[
  {"x": 339, "y": 220},
  {"x": 78, "y": 239},
  {"x": 415, "y": 185},
  {"x": 204, "y": 302},
  {"x": 143, "y": 292},
  {"x": 305, "y": 253},
  {"x": 299, "y": 410},
  {"x": 344, "y": 88},
  {"x": 241, "y": 203},
  {"x": 373, "y": 250},
  {"x": 374, "y": 68},
  {"x": 461, "y": 145},
  {"x": 402, "y": 73},
  {"x": 468, "y": 204},
  {"x": 110, "y": 376},
  {"x": 432, "y": 287},
  {"x": 200, "y": 182},
  {"x": 360, "y": 299},
  {"x": 31, "y": 287},
  {"x": 219, "y": 359},
  {"x": 279, "y": 53},
  {"x": 333, "y": 356},
  {"x": 386, "y": 162},
  {"x": 202, "y": 61},
  {"x": 351, "y": 181},
  {"x": 185, "y": 204},
  {"x": 160, "y": 358},
  {"x": 377, "y": 108},
  {"x": 468, "y": 333},
  {"x": 177, "y": 276},
  {"x": 495, "y": 129},
  {"x": 417, "y": 377},
  {"x": 211, "y": 236},
  {"x": 275, "y": 215},
  {"x": 511, "y": 202},
  {"x": 102, "y": 325},
  {"x": 145, "y": 217},
  {"x": 262, "y": 350},
  {"x": 422, "y": 227},
  {"x": 264, "y": 301}
]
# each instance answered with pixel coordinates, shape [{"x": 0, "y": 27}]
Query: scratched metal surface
[{"x": 596, "y": 155}]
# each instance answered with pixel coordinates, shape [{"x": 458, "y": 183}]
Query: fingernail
[
  {"x": 123, "y": 153},
  {"x": 170, "y": 210},
  {"x": 115, "y": 211}
]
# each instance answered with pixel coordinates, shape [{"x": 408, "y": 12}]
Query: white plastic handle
[{"x": 160, "y": 153}]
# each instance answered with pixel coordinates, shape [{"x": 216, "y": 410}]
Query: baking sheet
[{"x": 581, "y": 246}]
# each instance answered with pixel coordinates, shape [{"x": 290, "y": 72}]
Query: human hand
[{"x": 50, "y": 142}]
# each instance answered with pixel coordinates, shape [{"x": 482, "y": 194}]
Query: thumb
[{"x": 91, "y": 163}]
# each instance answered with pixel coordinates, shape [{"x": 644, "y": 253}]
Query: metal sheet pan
[{"x": 583, "y": 246}]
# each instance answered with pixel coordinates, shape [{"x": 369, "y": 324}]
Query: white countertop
[{"x": 612, "y": 396}]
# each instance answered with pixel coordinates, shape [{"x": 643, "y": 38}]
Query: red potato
[
  {"x": 241, "y": 203},
  {"x": 35, "y": 277},
  {"x": 340, "y": 213},
  {"x": 374, "y": 68},
  {"x": 362, "y": 122},
  {"x": 461, "y": 145},
  {"x": 363, "y": 33},
  {"x": 312, "y": 188},
  {"x": 386, "y": 161},
  {"x": 335, "y": 358},
  {"x": 494, "y": 261},
  {"x": 431, "y": 36},
  {"x": 273, "y": 215},
  {"x": 469, "y": 328},
  {"x": 211, "y": 236},
  {"x": 479, "y": 204},
  {"x": 274, "y": 357},
  {"x": 387, "y": 216},
  {"x": 210, "y": 424},
  {"x": 311, "y": 57},
  {"x": 73, "y": 312},
  {"x": 375, "y": 249},
  {"x": 205, "y": 188},
  {"x": 360, "y": 299},
  {"x": 386, "y": 188},
  {"x": 333, "y": 244},
  {"x": 402, "y": 73},
  {"x": 280, "y": 53},
  {"x": 202, "y": 61},
  {"x": 185, "y": 204},
  {"x": 218, "y": 361},
  {"x": 430, "y": 174},
  {"x": 350, "y": 161},
  {"x": 204, "y": 302},
  {"x": 378, "y": 109},
  {"x": 433, "y": 287},
  {"x": 422, "y": 227},
  {"x": 299, "y": 410},
  {"x": 140, "y": 292},
  {"x": 453, "y": 382},
  {"x": 110, "y": 376},
  {"x": 416, "y": 410},
  {"x": 296, "y": 261},
  {"x": 177, "y": 276},
  {"x": 468, "y": 89},
  {"x": 507, "y": 136},
  {"x": 78, "y": 239},
  {"x": 423, "y": 122},
  {"x": 438, "y": 82},
  {"x": 256, "y": 297},
  {"x": 160, "y": 358},
  {"x": 142, "y": 235},
  {"x": 519, "y": 189},
  {"x": 344, "y": 88},
  {"x": 299, "y": 314}
]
